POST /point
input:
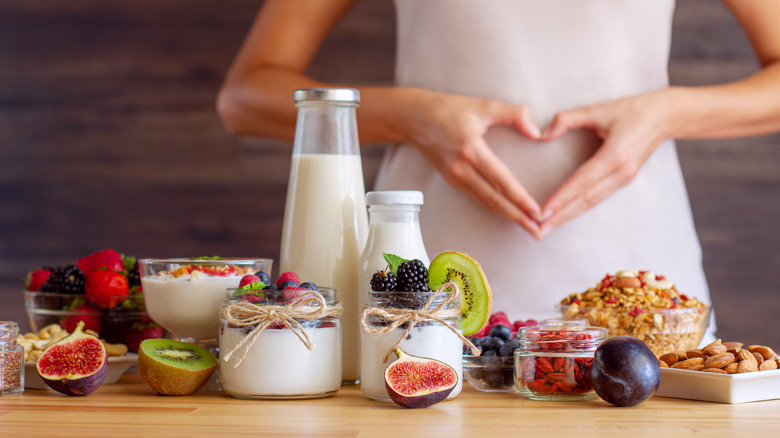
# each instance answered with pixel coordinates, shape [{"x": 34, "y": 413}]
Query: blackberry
[
  {"x": 134, "y": 277},
  {"x": 383, "y": 281},
  {"x": 409, "y": 272},
  {"x": 65, "y": 280},
  {"x": 416, "y": 287}
]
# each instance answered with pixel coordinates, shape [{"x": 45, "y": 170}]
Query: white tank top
[{"x": 550, "y": 55}]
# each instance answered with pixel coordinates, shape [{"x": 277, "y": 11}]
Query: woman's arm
[
  {"x": 448, "y": 130},
  {"x": 633, "y": 127}
]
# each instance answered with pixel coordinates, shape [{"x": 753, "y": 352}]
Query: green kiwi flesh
[
  {"x": 172, "y": 367},
  {"x": 475, "y": 295}
]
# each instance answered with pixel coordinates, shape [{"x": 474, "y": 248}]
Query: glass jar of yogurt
[
  {"x": 281, "y": 349},
  {"x": 427, "y": 338}
]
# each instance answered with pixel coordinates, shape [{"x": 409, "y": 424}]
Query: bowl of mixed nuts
[{"x": 644, "y": 305}]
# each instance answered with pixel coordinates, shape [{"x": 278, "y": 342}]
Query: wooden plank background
[{"x": 109, "y": 138}]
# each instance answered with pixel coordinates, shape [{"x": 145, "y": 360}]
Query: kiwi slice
[
  {"x": 173, "y": 367},
  {"x": 475, "y": 295}
]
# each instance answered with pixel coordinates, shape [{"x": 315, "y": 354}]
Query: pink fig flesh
[
  {"x": 418, "y": 382},
  {"x": 75, "y": 365}
]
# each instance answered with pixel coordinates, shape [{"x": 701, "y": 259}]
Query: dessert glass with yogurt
[
  {"x": 277, "y": 364},
  {"x": 184, "y": 296},
  {"x": 428, "y": 338}
]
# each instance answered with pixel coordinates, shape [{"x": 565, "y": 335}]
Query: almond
[
  {"x": 768, "y": 365},
  {"x": 731, "y": 368},
  {"x": 693, "y": 353},
  {"x": 765, "y": 352},
  {"x": 714, "y": 370},
  {"x": 688, "y": 363},
  {"x": 696, "y": 367},
  {"x": 669, "y": 359},
  {"x": 759, "y": 358},
  {"x": 712, "y": 350},
  {"x": 747, "y": 366},
  {"x": 719, "y": 360},
  {"x": 681, "y": 356},
  {"x": 733, "y": 345},
  {"x": 623, "y": 282},
  {"x": 743, "y": 354},
  {"x": 663, "y": 364}
]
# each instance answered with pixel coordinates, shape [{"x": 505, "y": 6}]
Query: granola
[{"x": 644, "y": 305}]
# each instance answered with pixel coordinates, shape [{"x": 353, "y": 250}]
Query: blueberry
[
  {"x": 273, "y": 294},
  {"x": 489, "y": 353},
  {"x": 494, "y": 379},
  {"x": 494, "y": 343},
  {"x": 288, "y": 283},
  {"x": 508, "y": 349},
  {"x": 500, "y": 331},
  {"x": 480, "y": 342},
  {"x": 263, "y": 277},
  {"x": 309, "y": 285}
]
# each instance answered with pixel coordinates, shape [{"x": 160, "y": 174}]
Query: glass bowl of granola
[{"x": 641, "y": 304}]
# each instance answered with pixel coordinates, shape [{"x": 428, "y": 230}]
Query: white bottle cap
[{"x": 395, "y": 197}]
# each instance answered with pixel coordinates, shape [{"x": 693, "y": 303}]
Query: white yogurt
[
  {"x": 278, "y": 364},
  {"x": 433, "y": 341},
  {"x": 187, "y": 305}
]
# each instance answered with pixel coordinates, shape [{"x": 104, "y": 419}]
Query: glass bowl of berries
[
  {"x": 492, "y": 370},
  {"x": 102, "y": 289}
]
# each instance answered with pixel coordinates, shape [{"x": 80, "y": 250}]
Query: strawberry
[
  {"x": 288, "y": 276},
  {"x": 84, "y": 312},
  {"x": 216, "y": 271},
  {"x": 248, "y": 280},
  {"x": 36, "y": 278},
  {"x": 106, "y": 288},
  {"x": 140, "y": 333},
  {"x": 107, "y": 259}
]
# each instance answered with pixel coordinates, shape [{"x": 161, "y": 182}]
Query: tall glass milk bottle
[
  {"x": 325, "y": 219},
  {"x": 394, "y": 228}
]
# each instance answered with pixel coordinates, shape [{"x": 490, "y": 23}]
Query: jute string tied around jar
[
  {"x": 309, "y": 306},
  {"x": 398, "y": 317}
]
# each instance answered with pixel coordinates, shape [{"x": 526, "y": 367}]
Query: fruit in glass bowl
[{"x": 102, "y": 289}]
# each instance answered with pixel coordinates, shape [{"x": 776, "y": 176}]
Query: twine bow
[
  {"x": 309, "y": 306},
  {"x": 398, "y": 317}
]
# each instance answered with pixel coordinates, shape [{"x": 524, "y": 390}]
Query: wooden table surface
[{"x": 130, "y": 408}]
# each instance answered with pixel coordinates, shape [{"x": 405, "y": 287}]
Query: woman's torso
[{"x": 548, "y": 55}]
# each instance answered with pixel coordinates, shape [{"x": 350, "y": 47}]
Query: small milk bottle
[{"x": 325, "y": 220}]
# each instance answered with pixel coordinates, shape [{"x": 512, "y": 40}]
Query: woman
[{"x": 550, "y": 126}]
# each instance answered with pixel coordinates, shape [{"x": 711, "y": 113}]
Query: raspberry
[
  {"x": 412, "y": 271},
  {"x": 287, "y": 276},
  {"x": 248, "y": 280},
  {"x": 383, "y": 281}
]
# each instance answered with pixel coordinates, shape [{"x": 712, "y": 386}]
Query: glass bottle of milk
[
  {"x": 394, "y": 228},
  {"x": 325, "y": 220}
]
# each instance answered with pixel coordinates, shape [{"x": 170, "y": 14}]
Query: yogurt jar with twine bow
[
  {"x": 281, "y": 349},
  {"x": 425, "y": 324}
]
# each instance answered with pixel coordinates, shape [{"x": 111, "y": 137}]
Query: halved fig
[
  {"x": 419, "y": 382},
  {"x": 75, "y": 365}
]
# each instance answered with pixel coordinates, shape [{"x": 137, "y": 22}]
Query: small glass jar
[
  {"x": 277, "y": 364},
  {"x": 11, "y": 360},
  {"x": 554, "y": 359},
  {"x": 428, "y": 338}
]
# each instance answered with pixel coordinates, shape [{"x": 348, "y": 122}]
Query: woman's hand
[
  {"x": 449, "y": 132},
  {"x": 631, "y": 129}
]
